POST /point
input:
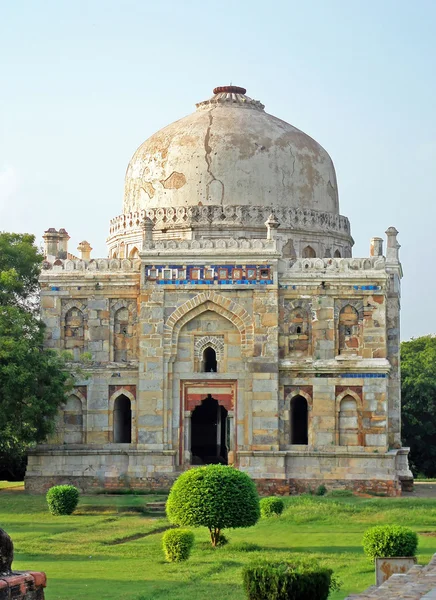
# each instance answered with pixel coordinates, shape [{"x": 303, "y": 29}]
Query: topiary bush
[
  {"x": 62, "y": 499},
  {"x": 387, "y": 541},
  {"x": 271, "y": 507},
  {"x": 177, "y": 544},
  {"x": 288, "y": 580},
  {"x": 215, "y": 496}
]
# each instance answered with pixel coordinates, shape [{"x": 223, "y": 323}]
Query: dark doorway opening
[
  {"x": 122, "y": 420},
  {"x": 210, "y": 364},
  {"x": 299, "y": 421},
  {"x": 209, "y": 425}
]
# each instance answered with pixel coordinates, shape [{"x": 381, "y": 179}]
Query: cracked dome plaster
[{"x": 231, "y": 152}]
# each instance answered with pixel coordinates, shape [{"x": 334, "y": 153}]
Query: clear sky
[{"x": 84, "y": 82}]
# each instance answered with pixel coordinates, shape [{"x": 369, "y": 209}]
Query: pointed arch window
[
  {"x": 122, "y": 420},
  {"x": 299, "y": 421},
  {"x": 210, "y": 364},
  {"x": 309, "y": 252}
]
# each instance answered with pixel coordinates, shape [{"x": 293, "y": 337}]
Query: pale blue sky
[{"x": 84, "y": 82}]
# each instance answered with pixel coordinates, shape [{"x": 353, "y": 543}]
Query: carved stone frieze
[{"x": 254, "y": 216}]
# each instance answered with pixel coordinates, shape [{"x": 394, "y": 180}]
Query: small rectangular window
[
  {"x": 264, "y": 274},
  {"x": 195, "y": 273},
  {"x": 167, "y": 274},
  {"x": 237, "y": 274},
  {"x": 208, "y": 273},
  {"x": 222, "y": 273},
  {"x": 152, "y": 273}
]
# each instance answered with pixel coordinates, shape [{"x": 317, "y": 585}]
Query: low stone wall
[
  {"x": 28, "y": 585},
  {"x": 413, "y": 585}
]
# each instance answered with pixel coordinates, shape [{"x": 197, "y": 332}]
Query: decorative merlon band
[
  {"x": 253, "y": 245},
  {"x": 101, "y": 264},
  {"x": 252, "y": 216},
  {"x": 330, "y": 265}
]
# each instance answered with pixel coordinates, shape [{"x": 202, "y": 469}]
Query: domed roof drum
[{"x": 230, "y": 152}]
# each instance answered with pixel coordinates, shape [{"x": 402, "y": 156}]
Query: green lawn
[{"x": 104, "y": 551}]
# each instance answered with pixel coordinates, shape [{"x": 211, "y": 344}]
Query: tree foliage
[
  {"x": 33, "y": 380},
  {"x": 216, "y": 497},
  {"x": 418, "y": 393},
  {"x": 20, "y": 262}
]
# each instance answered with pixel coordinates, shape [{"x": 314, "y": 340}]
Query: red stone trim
[
  {"x": 285, "y": 487},
  {"x": 22, "y": 585},
  {"x": 128, "y": 388},
  {"x": 357, "y": 389},
  {"x": 191, "y": 399}
]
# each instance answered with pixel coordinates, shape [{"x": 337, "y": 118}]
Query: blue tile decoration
[
  {"x": 354, "y": 375},
  {"x": 175, "y": 270}
]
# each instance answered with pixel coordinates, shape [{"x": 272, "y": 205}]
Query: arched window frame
[
  {"x": 357, "y": 305},
  {"x": 208, "y": 341},
  {"x": 82, "y": 398},
  {"x": 359, "y": 405},
  {"x": 308, "y": 252},
  {"x": 309, "y": 400},
  {"x": 123, "y": 392},
  {"x": 66, "y": 308},
  {"x": 115, "y": 307}
]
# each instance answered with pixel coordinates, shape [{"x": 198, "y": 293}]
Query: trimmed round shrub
[
  {"x": 62, "y": 499},
  {"x": 177, "y": 544},
  {"x": 287, "y": 580},
  {"x": 388, "y": 541},
  {"x": 271, "y": 507},
  {"x": 215, "y": 496}
]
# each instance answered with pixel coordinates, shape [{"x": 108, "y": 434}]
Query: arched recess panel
[
  {"x": 73, "y": 421},
  {"x": 299, "y": 332},
  {"x": 122, "y": 420},
  {"x": 74, "y": 332},
  {"x": 348, "y": 422},
  {"x": 348, "y": 330},
  {"x": 122, "y": 334}
]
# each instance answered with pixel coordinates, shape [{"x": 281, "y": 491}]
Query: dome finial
[{"x": 229, "y": 89}]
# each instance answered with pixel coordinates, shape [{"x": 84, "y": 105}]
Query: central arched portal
[{"x": 209, "y": 433}]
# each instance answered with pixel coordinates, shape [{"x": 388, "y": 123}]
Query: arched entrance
[{"x": 209, "y": 433}]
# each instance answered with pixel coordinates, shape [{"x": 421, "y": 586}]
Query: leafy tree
[
  {"x": 216, "y": 497},
  {"x": 418, "y": 392},
  {"x": 20, "y": 262},
  {"x": 33, "y": 380}
]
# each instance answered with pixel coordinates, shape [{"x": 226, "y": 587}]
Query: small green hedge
[
  {"x": 177, "y": 544},
  {"x": 271, "y": 507},
  {"x": 387, "y": 541},
  {"x": 62, "y": 499},
  {"x": 287, "y": 580}
]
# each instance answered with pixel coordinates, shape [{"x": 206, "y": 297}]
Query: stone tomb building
[{"x": 229, "y": 322}]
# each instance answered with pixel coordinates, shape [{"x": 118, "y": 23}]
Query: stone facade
[
  {"x": 418, "y": 583},
  {"x": 219, "y": 340}
]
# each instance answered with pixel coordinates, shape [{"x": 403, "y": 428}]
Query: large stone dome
[{"x": 230, "y": 152}]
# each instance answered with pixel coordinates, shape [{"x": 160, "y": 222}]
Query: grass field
[{"x": 109, "y": 550}]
